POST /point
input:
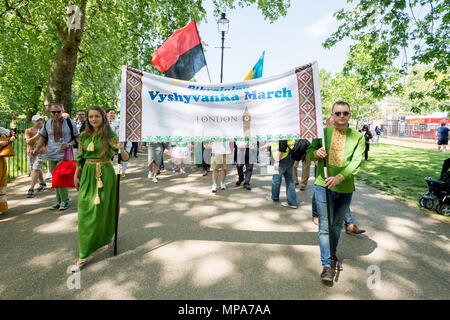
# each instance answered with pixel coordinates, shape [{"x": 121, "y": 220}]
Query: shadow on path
[{"x": 177, "y": 240}]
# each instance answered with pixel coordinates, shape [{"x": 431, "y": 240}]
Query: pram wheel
[
  {"x": 422, "y": 202},
  {"x": 445, "y": 209},
  {"x": 427, "y": 203}
]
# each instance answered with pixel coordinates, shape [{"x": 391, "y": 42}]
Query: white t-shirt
[
  {"x": 115, "y": 124},
  {"x": 251, "y": 144},
  {"x": 221, "y": 147}
]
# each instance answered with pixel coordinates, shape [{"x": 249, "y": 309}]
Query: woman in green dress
[{"x": 96, "y": 182}]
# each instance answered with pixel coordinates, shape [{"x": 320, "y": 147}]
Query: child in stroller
[{"x": 438, "y": 190}]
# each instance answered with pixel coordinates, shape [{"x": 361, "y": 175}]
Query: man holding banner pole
[{"x": 341, "y": 158}]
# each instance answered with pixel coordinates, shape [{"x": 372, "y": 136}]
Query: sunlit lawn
[{"x": 400, "y": 171}]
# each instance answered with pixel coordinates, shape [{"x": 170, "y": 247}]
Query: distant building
[{"x": 415, "y": 126}]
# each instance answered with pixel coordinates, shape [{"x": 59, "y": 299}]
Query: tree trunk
[
  {"x": 59, "y": 89},
  {"x": 33, "y": 105}
]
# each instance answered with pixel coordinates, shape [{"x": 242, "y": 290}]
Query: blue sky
[{"x": 291, "y": 41}]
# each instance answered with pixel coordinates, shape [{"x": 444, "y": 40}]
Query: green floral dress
[{"x": 97, "y": 194}]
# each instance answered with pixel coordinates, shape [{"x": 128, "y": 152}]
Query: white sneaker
[
  {"x": 48, "y": 176},
  {"x": 214, "y": 188},
  {"x": 155, "y": 180},
  {"x": 285, "y": 204},
  {"x": 150, "y": 175},
  {"x": 223, "y": 186}
]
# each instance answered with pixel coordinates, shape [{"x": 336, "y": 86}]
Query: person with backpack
[
  {"x": 284, "y": 163},
  {"x": 299, "y": 154},
  {"x": 58, "y": 134}
]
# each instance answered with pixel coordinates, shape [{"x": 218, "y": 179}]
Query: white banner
[{"x": 155, "y": 108}]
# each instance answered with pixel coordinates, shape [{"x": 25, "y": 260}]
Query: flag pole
[
  {"x": 327, "y": 192},
  {"x": 207, "y": 69},
  {"x": 119, "y": 161},
  {"x": 330, "y": 231}
]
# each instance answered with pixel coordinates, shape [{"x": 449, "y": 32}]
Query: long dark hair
[{"x": 103, "y": 132}]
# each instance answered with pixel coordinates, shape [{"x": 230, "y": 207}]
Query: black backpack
[{"x": 298, "y": 153}]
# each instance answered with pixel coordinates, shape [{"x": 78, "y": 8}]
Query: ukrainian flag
[{"x": 257, "y": 70}]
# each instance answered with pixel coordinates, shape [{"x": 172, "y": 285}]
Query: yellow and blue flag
[{"x": 257, "y": 70}]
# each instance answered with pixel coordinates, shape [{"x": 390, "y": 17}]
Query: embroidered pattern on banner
[
  {"x": 307, "y": 102},
  {"x": 218, "y": 138},
  {"x": 134, "y": 105}
]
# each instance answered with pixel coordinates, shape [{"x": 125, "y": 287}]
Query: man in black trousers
[
  {"x": 134, "y": 149},
  {"x": 246, "y": 155}
]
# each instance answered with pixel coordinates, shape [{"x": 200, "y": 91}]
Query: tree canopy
[
  {"x": 346, "y": 87},
  {"x": 42, "y": 60},
  {"x": 386, "y": 30}
]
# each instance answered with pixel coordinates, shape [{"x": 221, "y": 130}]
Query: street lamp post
[{"x": 223, "y": 27}]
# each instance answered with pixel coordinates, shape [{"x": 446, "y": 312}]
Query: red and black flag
[{"x": 181, "y": 56}]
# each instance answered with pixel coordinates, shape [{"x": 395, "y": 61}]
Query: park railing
[
  {"x": 18, "y": 165},
  {"x": 416, "y": 130}
]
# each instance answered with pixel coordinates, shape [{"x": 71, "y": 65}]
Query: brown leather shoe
[
  {"x": 326, "y": 274},
  {"x": 315, "y": 220},
  {"x": 353, "y": 228}
]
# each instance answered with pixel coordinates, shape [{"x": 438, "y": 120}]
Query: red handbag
[{"x": 62, "y": 176}]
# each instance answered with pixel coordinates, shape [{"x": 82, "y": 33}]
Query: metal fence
[
  {"x": 416, "y": 130},
  {"x": 18, "y": 165}
]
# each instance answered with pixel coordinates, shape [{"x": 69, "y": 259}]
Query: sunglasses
[
  {"x": 54, "y": 112},
  {"x": 345, "y": 113}
]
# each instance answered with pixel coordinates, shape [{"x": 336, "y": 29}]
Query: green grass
[{"x": 400, "y": 171}]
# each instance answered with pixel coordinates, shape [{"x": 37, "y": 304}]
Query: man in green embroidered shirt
[{"x": 344, "y": 148}]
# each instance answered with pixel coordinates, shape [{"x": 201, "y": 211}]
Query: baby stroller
[{"x": 438, "y": 190}]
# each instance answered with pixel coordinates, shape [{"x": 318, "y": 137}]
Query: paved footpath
[{"x": 177, "y": 240}]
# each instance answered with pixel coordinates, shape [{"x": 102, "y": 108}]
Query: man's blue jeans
[
  {"x": 348, "y": 220},
  {"x": 339, "y": 204},
  {"x": 286, "y": 166}
]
